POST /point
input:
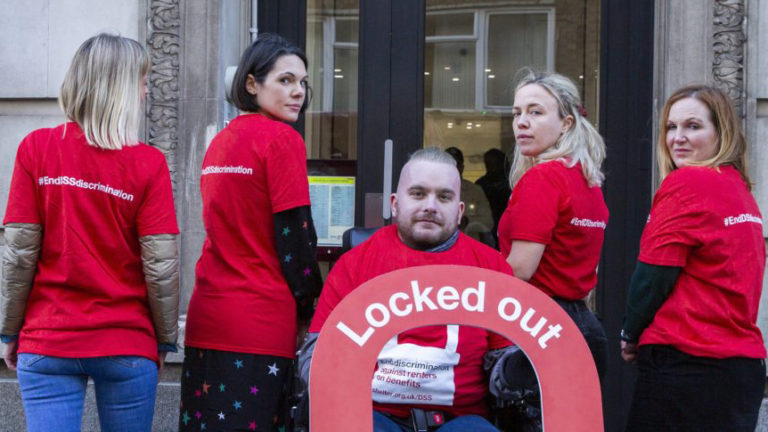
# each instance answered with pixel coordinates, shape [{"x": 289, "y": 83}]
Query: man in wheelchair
[{"x": 435, "y": 378}]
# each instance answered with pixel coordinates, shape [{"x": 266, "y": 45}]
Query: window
[
  {"x": 332, "y": 51},
  {"x": 471, "y": 61}
]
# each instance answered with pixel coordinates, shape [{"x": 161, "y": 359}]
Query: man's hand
[
  {"x": 161, "y": 360},
  {"x": 9, "y": 354},
  {"x": 628, "y": 351}
]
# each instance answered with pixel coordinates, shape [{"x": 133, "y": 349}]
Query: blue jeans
[
  {"x": 53, "y": 391},
  {"x": 466, "y": 423}
]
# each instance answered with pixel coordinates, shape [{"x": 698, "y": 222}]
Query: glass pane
[
  {"x": 346, "y": 30},
  {"x": 514, "y": 41},
  {"x": 450, "y": 24},
  {"x": 345, "y": 80},
  {"x": 449, "y": 75},
  {"x": 330, "y": 129}
]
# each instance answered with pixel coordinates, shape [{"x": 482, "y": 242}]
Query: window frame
[
  {"x": 547, "y": 10},
  {"x": 480, "y": 37}
]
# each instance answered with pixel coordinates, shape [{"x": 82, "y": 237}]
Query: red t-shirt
[
  {"x": 708, "y": 223},
  {"x": 554, "y": 205},
  {"x": 383, "y": 253},
  {"x": 254, "y": 167},
  {"x": 89, "y": 297}
]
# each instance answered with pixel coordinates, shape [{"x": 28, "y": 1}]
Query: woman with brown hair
[{"x": 694, "y": 296}]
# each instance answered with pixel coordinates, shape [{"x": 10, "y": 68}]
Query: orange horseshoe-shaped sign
[{"x": 357, "y": 329}]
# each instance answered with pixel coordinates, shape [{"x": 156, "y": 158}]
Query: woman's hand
[
  {"x": 628, "y": 351},
  {"x": 9, "y": 354}
]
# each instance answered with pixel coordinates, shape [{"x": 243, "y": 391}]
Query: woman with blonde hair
[
  {"x": 90, "y": 274},
  {"x": 694, "y": 296},
  {"x": 552, "y": 230}
]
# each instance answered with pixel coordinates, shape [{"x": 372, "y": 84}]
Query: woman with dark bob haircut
[
  {"x": 693, "y": 299},
  {"x": 257, "y": 277}
]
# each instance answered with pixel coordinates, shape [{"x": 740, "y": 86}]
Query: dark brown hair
[{"x": 258, "y": 60}]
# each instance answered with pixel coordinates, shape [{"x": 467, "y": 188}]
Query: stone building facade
[{"x": 192, "y": 42}]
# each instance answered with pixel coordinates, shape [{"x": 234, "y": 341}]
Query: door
[{"x": 441, "y": 72}]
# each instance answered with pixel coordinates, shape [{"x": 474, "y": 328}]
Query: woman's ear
[
  {"x": 567, "y": 124},
  {"x": 251, "y": 86}
]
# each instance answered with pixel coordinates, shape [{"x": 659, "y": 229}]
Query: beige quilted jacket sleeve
[
  {"x": 19, "y": 265},
  {"x": 160, "y": 260}
]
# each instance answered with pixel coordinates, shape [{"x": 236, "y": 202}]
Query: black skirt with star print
[{"x": 228, "y": 391}]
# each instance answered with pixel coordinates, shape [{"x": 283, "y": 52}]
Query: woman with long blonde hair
[{"x": 552, "y": 230}]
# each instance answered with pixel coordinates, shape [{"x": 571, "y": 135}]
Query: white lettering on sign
[
  {"x": 471, "y": 299},
  {"x": 401, "y": 305},
  {"x": 553, "y": 330}
]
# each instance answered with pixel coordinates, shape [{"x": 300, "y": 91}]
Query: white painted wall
[
  {"x": 37, "y": 41},
  {"x": 39, "y": 37}
]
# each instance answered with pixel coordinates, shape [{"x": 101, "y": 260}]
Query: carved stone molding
[
  {"x": 728, "y": 43},
  {"x": 163, "y": 44}
]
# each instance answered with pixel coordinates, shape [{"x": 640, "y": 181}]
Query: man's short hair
[{"x": 432, "y": 154}]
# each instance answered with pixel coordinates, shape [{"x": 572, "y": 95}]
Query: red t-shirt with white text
[
  {"x": 554, "y": 205},
  {"x": 706, "y": 221},
  {"x": 89, "y": 297},
  {"x": 466, "y": 389},
  {"x": 254, "y": 167}
]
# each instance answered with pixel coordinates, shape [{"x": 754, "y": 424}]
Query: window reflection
[
  {"x": 332, "y": 51},
  {"x": 471, "y": 58}
]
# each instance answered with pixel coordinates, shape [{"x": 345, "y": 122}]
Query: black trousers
[
  {"x": 593, "y": 331},
  {"x": 229, "y": 391},
  {"x": 677, "y": 392}
]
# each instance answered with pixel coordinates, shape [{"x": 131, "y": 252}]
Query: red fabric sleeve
[
  {"x": 534, "y": 207},
  {"x": 22, "y": 197},
  {"x": 286, "y": 171},
  {"x": 156, "y": 214},
  {"x": 674, "y": 225}
]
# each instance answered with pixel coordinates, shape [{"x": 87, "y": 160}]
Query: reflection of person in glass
[
  {"x": 90, "y": 285},
  {"x": 695, "y": 293},
  {"x": 477, "y": 219},
  {"x": 257, "y": 273},
  {"x": 552, "y": 230},
  {"x": 495, "y": 184}
]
